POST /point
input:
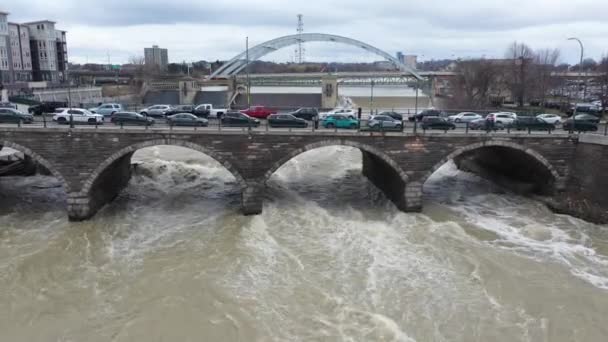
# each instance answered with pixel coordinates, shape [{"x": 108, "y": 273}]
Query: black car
[
  {"x": 286, "y": 120},
  {"x": 393, "y": 115},
  {"x": 306, "y": 113},
  {"x": 428, "y": 112},
  {"x": 238, "y": 119},
  {"x": 180, "y": 109},
  {"x": 532, "y": 123},
  {"x": 46, "y": 107},
  {"x": 186, "y": 119},
  {"x": 579, "y": 126},
  {"x": 130, "y": 118},
  {"x": 13, "y": 115},
  {"x": 434, "y": 122},
  {"x": 587, "y": 117}
]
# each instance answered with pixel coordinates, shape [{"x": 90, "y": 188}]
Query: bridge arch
[
  {"x": 238, "y": 63},
  {"x": 129, "y": 150},
  {"x": 558, "y": 180},
  {"x": 382, "y": 170},
  {"x": 40, "y": 160}
]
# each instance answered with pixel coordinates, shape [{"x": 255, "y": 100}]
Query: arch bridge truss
[{"x": 239, "y": 62}]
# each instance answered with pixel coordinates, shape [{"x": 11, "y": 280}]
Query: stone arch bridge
[{"x": 94, "y": 165}]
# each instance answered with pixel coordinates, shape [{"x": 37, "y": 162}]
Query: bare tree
[
  {"x": 602, "y": 68},
  {"x": 475, "y": 83},
  {"x": 545, "y": 63},
  {"x": 518, "y": 73}
]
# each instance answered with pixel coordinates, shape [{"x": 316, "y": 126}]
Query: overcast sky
[{"x": 432, "y": 29}]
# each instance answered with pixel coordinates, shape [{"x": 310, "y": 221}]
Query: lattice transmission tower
[{"x": 300, "y": 49}]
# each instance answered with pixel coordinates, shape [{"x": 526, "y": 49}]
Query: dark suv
[
  {"x": 532, "y": 123},
  {"x": 306, "y": 113},
  {"x": 425, "y": 113},
  {"x": 46, "y": 107}
]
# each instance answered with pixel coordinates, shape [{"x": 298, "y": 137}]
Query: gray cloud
[{"x": 193, "y": 29}]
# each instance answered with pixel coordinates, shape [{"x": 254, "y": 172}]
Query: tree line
[{"x": 523, "y": 76}]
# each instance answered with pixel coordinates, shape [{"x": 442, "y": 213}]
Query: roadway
[{"x": 214, "y": 127}]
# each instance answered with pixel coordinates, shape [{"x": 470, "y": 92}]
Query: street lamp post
[{"x": 580, "y": 72}]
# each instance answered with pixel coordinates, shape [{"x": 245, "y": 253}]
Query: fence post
[
  {"x": 415, "y": 125},
  {"x": 43, "y": 120},
  {"x": 606, "y": 128},
  {"x": 121, "y": 123},
  {"x": 529, "y": 130},
  {"x": 466, "y": 129},
  {"x": 71, "y": 121}
]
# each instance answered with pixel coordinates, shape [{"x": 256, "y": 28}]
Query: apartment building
[
  {"x": 157, "y": 57},
  {"x": 5, "y": 70},
  {"x": 33, "y": 51},
  {"x": 21, "y": 58}
]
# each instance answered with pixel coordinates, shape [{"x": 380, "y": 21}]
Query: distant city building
[
  {"x": 411, "y": 61},
  {"x": 156, "y": 56},
  {"x": 400, "y": 57},
  {"x": 33, "y": 51}
]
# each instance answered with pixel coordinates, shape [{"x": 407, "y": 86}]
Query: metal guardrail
[{"x": 357, "y": 127}]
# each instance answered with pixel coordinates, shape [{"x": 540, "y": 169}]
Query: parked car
[
  {"x": 483, "y": 124},
  {"x": 306, "y": 113},
  {"x": 13, "y": 115},
  {"x": 384, "y": 122},
  {"x": 107, "y": 109},
  {"x": 8, "y": 105},
  {"x": 78, "y": 115},
  {"x": 186, "y": 119},
  {"x": 579, "y": 125},
  {"x": 259, "y": 112},
  {"x": 340, "y": 121},
  {"x": 505, "y": 118},
  {"x": 584, "y": 108},
  {"x": 286, "y": 120},
  {"x": 393, "y": 115},
  {"x": 180, "y": 109},
  {"x": 339, "y": 111},
  {"x": 550, "y": 118},
  {"x": 156, "y": 110},
  {"x": 464, "y": 117},
  {"x": 435, "y": 122},
  {"x": 587, "y": 117},
  {"x": 532, "y": 123},
  {"x": 130, "y": 118},
  {"x": 238, "y": 119},
  {"x": 46, "y": 107},
  {"x": 425, "y": 113},
  {"x": 207, "y": 110}
]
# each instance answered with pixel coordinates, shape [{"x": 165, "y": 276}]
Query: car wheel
[
  {"x": 92, "y": 121},
  {"x": 353, "y": 126},
  {"x": 62, "y": 120},
  {"x": 399, "y": 127},
  {"x": 458, "y": 120},
  {"x": 330, "y": 125}
]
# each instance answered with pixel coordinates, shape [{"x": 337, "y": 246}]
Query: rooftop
[{"x": 40, "y": 22}]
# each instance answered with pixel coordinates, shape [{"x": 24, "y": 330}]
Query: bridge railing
[{"x": 352, "y": 125}]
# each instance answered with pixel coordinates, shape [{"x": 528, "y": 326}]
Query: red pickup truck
[{"x": 259, "y": 112}]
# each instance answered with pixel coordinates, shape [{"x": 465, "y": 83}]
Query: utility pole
[
  {"x": 247, "y": 70},
  {"x": 371, "y": 100}
]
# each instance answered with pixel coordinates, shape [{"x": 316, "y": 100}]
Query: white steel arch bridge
[{"x": 239, "y": 62}]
